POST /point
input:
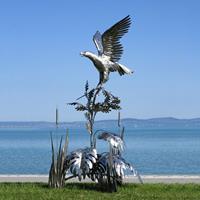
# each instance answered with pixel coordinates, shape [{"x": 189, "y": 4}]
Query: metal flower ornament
[{"x": 108, "y": 168}]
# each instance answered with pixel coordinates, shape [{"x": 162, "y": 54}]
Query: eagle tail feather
[{"x": 124, "y": 70}]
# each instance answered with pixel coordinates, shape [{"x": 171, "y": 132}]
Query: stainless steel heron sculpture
[{"x": 109, "y": 50}]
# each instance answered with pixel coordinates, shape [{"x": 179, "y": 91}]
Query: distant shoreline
[{"x": 130, "y": 123}]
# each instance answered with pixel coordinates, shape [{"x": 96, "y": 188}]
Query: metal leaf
[
  {"x": 86, "y": 86},
  {"x": 73, "y": 103},
  {"x": 81, "y": 161},
  {"x": 81, "y": 108},
  {"x": 115, "y": 141},
  {"x": 90, "y": 94}
]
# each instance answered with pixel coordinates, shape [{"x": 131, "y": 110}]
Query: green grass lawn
[{"x": 87, "y": 191}]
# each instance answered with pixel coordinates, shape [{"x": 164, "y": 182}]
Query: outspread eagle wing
[
  {"x": 110, "y": 39},
  {"x": 97, "y": 38}
]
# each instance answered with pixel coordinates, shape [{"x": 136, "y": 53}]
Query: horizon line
[{"x": 126, "y": 118}]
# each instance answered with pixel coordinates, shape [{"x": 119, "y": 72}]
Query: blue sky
[{"x": 40, "y": 65}]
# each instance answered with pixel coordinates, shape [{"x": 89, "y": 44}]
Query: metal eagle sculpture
[
  {"x": 109, "y": 50},
  {"x": 107, "y": 168}
]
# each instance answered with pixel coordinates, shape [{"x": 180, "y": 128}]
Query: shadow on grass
[
  {"x": 81, "y": 186},
  {"x": 87, "y": 186},
  {"x": 78, "y": 186}
]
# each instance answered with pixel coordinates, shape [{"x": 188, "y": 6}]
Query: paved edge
[{"x": 128, "y": 179}]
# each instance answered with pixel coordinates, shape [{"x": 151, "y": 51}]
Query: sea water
[{"x": 160, "y": 151}]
